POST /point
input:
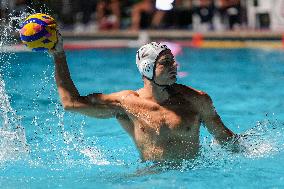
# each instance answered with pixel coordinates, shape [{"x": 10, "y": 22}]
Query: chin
[{"x": 172, "y": 81}]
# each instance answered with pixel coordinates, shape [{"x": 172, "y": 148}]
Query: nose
[{"x": 175, "y": 65}]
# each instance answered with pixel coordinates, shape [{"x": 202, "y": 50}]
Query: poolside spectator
[
  {"x": 203, "y": 15},
  {"x": 84, "y": 15},
  {"x": 180, "y": 16},
  {"x": 163, "y": 13},
  {"x": 183, "y": 14},
  {"x": 142, "y": 14},
  {"x": 230, "y": 12},
  {"x": 108, "y": 14},
  {"x": 66, "y": 13},
  {"x": 86, "y": 8}
]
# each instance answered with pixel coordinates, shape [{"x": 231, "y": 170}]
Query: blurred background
[
  {"x": 195, "y": 23},
  {"x": 191, "y": 15}
]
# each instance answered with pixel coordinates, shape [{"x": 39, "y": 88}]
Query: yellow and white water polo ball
[{"x": 38, "y": 32}]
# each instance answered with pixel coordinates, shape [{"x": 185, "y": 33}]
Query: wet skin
[{"x": 163, "y": 118}]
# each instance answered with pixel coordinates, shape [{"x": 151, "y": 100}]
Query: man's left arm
[{"x": 213, "y": 122}]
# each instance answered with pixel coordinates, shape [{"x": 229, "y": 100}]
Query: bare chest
[
  {"x": 164, "y": 130},
  {"x": 170, "y": 119},
  {"x": 169, "y": 132}
]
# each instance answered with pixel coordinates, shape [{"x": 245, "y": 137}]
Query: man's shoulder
[
  {"x": 125, "y": 93},
  {"x": 189, "y": 91},
  {"x": 197, "y": 97}
]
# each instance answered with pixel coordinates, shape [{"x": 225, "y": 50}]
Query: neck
[{"x": 155, "y": 92}]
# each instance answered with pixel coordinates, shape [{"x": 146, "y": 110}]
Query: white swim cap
[{"x": 146, "y": 57}]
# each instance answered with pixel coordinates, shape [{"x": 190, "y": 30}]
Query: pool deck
[{"x": 120, "y": 39}]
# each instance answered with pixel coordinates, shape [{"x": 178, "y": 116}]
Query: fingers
[
  {"x": 58, "y": 47},
  {"x": 59, "y": 36}
]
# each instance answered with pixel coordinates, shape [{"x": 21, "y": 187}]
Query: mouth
[{"x": 173, "y": 73}]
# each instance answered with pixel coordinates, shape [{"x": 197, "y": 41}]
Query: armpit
[
  {"x": 94, "y": 98},
  {"x": 103, "y": 99},
  {"x": 122, "y": 116}
]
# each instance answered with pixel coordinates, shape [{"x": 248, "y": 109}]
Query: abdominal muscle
[{"x": 168, "y": 144}]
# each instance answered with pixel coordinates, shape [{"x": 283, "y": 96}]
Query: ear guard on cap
[
  {"x": 147, "y": 68},
  {"x": 146, "y": 57}
]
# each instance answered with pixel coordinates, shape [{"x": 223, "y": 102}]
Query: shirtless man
[{"x": 163, "y": 118}]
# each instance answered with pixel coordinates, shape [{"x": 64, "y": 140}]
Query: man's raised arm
[{"x": 95, "y": 105}]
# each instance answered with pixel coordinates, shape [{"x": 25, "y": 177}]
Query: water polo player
[{"x": 163, "y": 118}]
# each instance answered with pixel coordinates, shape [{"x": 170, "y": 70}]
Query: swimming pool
[{"x": 65, "y": 150}]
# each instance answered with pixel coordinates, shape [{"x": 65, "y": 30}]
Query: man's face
[{"x": 166, "y": 69}]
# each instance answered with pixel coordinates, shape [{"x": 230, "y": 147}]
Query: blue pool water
[{"x": 43, "y": 146}]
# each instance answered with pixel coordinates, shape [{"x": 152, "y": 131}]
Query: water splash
[
  {"x": 58, "y": 139},
  {"x": 95, "y": 156},
  {"x": 264, "y": 140},
  {"x": 13, "y": 143},
  {"x": 50, "y": 143}
]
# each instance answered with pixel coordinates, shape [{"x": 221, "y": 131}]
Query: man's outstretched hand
[{"x": 58, "y": 48}]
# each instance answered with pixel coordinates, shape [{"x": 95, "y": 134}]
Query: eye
[{"x": 167, "y": 61}]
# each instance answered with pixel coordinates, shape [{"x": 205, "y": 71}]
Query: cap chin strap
[
  {"x": 153, "y": 81},
  {"x": 159, "y": 84}
]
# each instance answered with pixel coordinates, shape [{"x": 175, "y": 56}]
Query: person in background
[
  {"x": 142, "y": 14},
  {"x": 160, "y": 14},
  {"x": 204, "y": 12},
  {"x": 182, "y": 14},
  {"x": 108, "y": 14},
  {"x": 230, "y": 12},
  {"x": 85, "y": 8},
  {"x": 178, "y": 15}
]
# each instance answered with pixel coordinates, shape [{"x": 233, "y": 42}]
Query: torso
[{"x": 168, "y": 131}]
